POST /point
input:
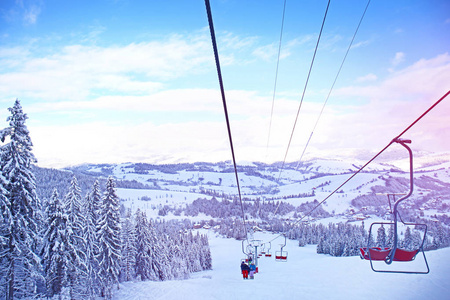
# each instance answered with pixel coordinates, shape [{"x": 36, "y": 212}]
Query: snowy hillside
[
  {"x": 153, "y": 186},
  {"x": 204, "y": 195},
  {"x": 306, "y": 275}
]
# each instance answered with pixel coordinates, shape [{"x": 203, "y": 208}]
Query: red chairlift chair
[
  {"x": 389, "y": 255},
  {"x": 268, "y": 254},
  {"x": 281, "y": 255}
]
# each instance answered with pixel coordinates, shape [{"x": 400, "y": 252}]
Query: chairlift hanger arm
[{"x": 403, "y": 142}]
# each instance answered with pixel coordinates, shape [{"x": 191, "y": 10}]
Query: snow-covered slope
[{"x": 306, "y": 275}]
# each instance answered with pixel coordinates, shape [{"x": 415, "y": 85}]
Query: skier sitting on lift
[
  {"x": 252, "y": 270},
  {"x": 245, "y": 269}
]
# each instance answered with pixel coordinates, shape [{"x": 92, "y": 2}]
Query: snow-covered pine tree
[
  {"x": 407, "y": 242},
  {"x": 176, "y": 256},
  {"x": 96, "y": 199},
  {"x": 75, "y": 241},
  {"x": 55, "y": 258},
  {"x": 109, "y": 240},
  {"x": 381, "y": 237},
  {"x": 205, "y": 256},
  {"x": 192, "y": 254},
  {"x": 19, "y": 233},
  {"x": 160, "y": 250},
  {"x": 127, "y": 272},
  {"x": 158, "y": 261},
  {"x": 91, "y": 246},
  {"x": 390, "y": 237},
  {"x": 143, "y": 258},
  {"x": 320, "y": 249},
  {"x": 5, "y": 225}
]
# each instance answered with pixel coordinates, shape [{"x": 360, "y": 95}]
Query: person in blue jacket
[{"x": 252, "y": 270}]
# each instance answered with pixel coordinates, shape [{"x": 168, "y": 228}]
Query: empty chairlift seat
[
  {"x": 377, "y": 253},
  {"x": 405, "y": 255},
  {"x": 374, "y": 253},
  {"x": 281, "y": 255}
]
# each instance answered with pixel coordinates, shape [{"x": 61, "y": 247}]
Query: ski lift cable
[
  {"x": 276, "y": 76},
  {"x": 372, "y": 159},
  {"x": 219, "y": 74},
  {"x": 334, "y": 82},
  {"x": 303, "y": 96},
  {"x": 304, "y": 89}
]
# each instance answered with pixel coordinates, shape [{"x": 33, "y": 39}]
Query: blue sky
[{"x": 117, "y": 81}]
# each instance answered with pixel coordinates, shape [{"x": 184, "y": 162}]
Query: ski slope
[{"x": 306, "y": 275}]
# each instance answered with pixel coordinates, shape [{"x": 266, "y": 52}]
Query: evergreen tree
[
  {"x": 19, "y": 204},
  {"x": 408, "y": 240},
  {"x": 205, "y": 253},
  {"x": 143, "y": 256},
  {"x": 178, "y": 263},
  {"x": 440, "y": 237},
  {"x": 96, "y": 199},
  {"x": 390, "y": 237},
  {"x": 381, "y": 237},
  {"x": 91, "y": 247},
  {"x": 109, "y": 240},
  {"x": 54, "y": 255},
  {"x": 128, "y": 251},
  {"x": 158, "y": 258},
  {"x": 5, "y": 226},
  {"x": 75, "y": 241}
]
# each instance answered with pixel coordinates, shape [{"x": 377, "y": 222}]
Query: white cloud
[
  {"x": 427, "y": 78},
  {"x": 31, "y": 14},
  {"x": 74, "y": 72},
  {"x": 393, "y": 104},
  {"x": 398, "y": 59},
  {"x": 267, "y": 52},
  {"x": 366, "y": 78},
  {"x": 361, "y": 44},
  {"x": 229, "y": 40},
  {"x": 139, "y": 77},
  {"x": 97, "y": 142},
  {"x": 329, "y": 41},
  {"x": 270, "y": 52},
  {"x": 390, "y": 106}
]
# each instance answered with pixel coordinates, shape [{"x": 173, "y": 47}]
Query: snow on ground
[
  {"x": 159, "y": 196},
  {"x": 306, "y": 275},
  {"x": 131, "y": 198}
]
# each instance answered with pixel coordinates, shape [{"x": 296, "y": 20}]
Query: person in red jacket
[{"x": 245, "y": 269}]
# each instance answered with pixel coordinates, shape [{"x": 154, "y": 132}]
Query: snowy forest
[
  {"x": 75, "y": 247},
  {"x": 341, "y": 239}
]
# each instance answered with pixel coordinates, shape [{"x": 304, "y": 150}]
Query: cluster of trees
[
  {"x": 49, "y": 179},
  {"x": 161, "y": 251},
  {"x": 225, "y": 208},
  {"x": 75, "y": 247},
  {"x": 313, "y": 209},
  {"x": 345, "y": 239},
  {"x": 81, "y": 244},
  {"x": 342, "y": 239},
  {"x": 230, "y": 227},
  {"x": 87, "y": 249},
  {"x": 299, "y": 195}
]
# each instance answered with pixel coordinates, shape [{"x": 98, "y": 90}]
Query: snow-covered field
[{"x": 306, "y": 275}]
